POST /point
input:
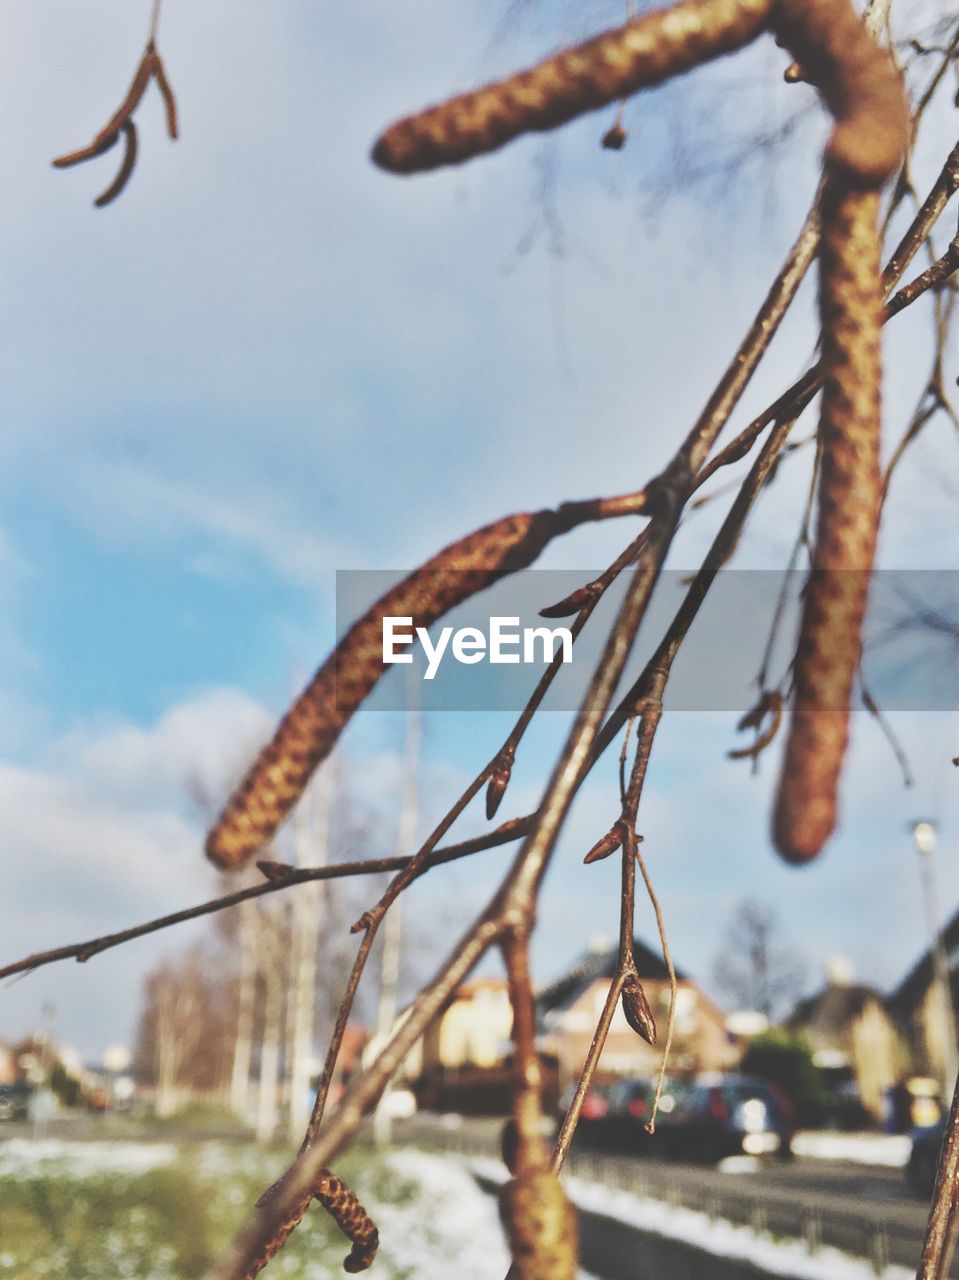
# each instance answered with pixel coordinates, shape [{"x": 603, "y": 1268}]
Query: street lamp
[
  {"x": 924, "y": 834},
  {"x": 924, "y": 837}
]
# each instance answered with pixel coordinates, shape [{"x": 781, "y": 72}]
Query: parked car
[
  {"x": 15, "y": 1101},
  {"x": 924, "y": 1158},
  {"x": 629, "y": 1104},
  {"x": 596, "y": 1118},
  {"x": 614, "y": 1116},
  {"x": 718, "y": 1116}
]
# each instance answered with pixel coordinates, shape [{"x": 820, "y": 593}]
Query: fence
[{"x": 883, "y": 1234}]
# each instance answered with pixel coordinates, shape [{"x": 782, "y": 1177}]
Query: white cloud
[
  {"x": 207, "y": 739},
  {"x": 251, "y": 518},
  {"x": 16, "y": 574},
  {"x": 102, "y": 836}
]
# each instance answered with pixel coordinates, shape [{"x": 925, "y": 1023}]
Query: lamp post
[{"x": 924, "y": 838}]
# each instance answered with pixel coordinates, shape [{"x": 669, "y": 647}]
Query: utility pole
[
  {"x": 924, "y": 837},
  {"x": 393, "y": 926}
]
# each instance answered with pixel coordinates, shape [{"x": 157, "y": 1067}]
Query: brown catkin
[
  {"x": 129, "y": 130},
  {"x": 352, "y": 1219},
  {"x": 310, "y": 729},
  {"x": 342, "y": 1206},
  {"x": 645, "y": 51},
  {"x": 828, "y": 652},
  {"x": 862, "y": 89},
  {"x": 540, "y": 1225},
  {"x": 857, "y": 80}
]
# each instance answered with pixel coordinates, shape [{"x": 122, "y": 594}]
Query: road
[{"x": 868, "y": 1211}]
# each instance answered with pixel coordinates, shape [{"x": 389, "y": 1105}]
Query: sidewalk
[{"x": 888, "y": 1149}]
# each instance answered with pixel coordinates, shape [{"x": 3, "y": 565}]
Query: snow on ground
[
  {"x": 451, "y": 1228},
  {"x": 887, "y": 1149},
  {"x": 789, "y": 1258},
  {"x": 24, "y": 1158},
  {"x": 739, "y": 1164}
]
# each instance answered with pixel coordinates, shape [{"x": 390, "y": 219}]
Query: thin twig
[
  {"x": 585, "y": 599},
  {"x": 932, "y": 278},
  {"x": 673, "y": 988},
  {"x": 625, "y": 966},
  {"x": 154, "y": 21},
  {"x": 83, "y": 951},
  {"x": 940, "y": 1238},
  {"x": 898, "y": 750},
  {"x": 150, "y": 67}
]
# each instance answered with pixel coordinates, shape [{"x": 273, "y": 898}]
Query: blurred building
[
  {"x": 569, "y": 1008},
  {"x": 8, "y": 1063},
  {"x": 462, "y": 1063},
  {"x": 917, "y": 1006},
  {"x": 855, "y": 1042}
]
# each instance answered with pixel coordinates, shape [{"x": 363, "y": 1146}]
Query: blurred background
[{"x": 268, "y": 362}]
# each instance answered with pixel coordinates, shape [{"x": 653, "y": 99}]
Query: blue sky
[{"x": 268, "y": 361}]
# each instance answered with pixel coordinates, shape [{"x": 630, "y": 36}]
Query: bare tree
[
  {"x": 185, "y": 1033},
  {"x": 311, "y": 840},
  {"x": 757, "y": 968},
  {"x": 392, "y": 933},
  {"x": 246, "y": 934}
]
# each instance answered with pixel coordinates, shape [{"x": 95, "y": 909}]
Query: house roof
[
  {"x": 910, "y": 991},
  {"x": 568, "y": 988},
  {"x": 831, "y": 1010}
]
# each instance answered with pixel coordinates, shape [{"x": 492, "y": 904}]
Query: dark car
[
  {"x": 595, "y": 1119},
  {"x": 615, "y": 1115},
  {"x": 720, "y": 1116},
  {"x": 629, "y": 1105},
  {"x": 15, "y": 1101},
  {"x": 924, "y": 1158}
]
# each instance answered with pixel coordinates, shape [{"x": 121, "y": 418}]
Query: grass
[
  {"x": 59, "y": 1220},
  {"x": 153, "y": 1225}
]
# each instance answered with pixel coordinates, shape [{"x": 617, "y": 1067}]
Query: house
[
  {"x": 462, "y": 1063},
  {"x": 8, "y": 1063},
  {"x": 855, "y": 1040},
  {"x": 474, "y": 1029},
  {"x": 917, "y": 1007},
  {"x": 569, "y": 1009}
]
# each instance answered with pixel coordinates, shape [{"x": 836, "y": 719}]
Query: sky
[{"x": 268, "y": 362}]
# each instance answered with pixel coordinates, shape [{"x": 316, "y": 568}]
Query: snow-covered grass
[
  {"x": 22, "y": 1158},
  {"x": 150, "y": 1211},
  {"x": 450, "y": 1228}
]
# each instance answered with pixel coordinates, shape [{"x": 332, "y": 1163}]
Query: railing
[{"x": 865, "y": 1230}]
